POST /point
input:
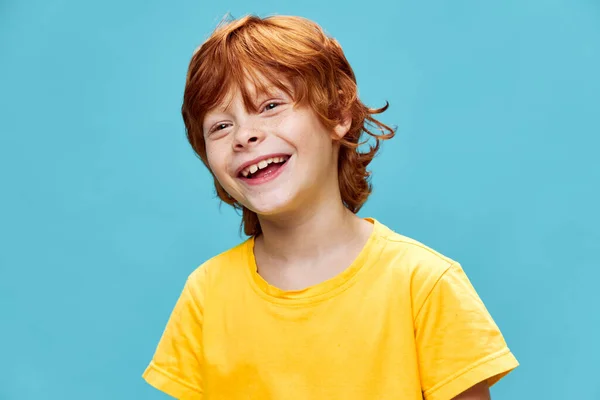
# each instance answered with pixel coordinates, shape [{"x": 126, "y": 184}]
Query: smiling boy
[{"x": 318, "y": 303}]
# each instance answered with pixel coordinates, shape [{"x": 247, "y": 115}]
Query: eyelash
[
  {"x": 272, "y": 102},
  {"x": 216, "y": 128},
  {"x": 276, "y": 103}
]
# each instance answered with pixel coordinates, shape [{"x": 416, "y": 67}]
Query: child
[{"x": 317, "y": 303}]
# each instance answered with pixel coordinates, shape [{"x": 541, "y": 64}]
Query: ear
[{"x": 342, "y": 128}]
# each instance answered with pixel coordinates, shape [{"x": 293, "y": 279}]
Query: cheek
[
  {"x": 318, "y": 140},
  {"x": 300, "y": 131},
  {"x": 216, "y": 162}
]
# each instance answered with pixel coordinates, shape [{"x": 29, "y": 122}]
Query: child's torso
[{"x": 353, "y": 338}]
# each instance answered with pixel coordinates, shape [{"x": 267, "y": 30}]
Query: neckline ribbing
[{"x": 320, "y": 291}]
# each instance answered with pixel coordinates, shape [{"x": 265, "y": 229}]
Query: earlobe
[{"x": 343, "y": 127}]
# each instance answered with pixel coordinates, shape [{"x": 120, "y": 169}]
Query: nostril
[{"x": 253, "y": 139}]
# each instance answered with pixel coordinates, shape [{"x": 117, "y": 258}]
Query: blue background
[{"x": 104, "y": 209}]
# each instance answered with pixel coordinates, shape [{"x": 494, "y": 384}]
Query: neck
[{"x": 311, "y": 234}]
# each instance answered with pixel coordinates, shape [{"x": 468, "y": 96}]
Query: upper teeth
[{"x": 262, "y": 164}]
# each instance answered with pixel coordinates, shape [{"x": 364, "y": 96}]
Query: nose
[{"x": 246, "y": 137}]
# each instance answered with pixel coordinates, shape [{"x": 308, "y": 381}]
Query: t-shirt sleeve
[
  {"x": 176, "y": 367},
  {"x": 458, "y": 342}
]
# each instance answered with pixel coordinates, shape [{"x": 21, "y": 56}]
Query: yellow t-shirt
[{"x": 402, "y": 322}]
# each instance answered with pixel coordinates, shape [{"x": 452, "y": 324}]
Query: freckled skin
[{"x": 278, "y": 127}]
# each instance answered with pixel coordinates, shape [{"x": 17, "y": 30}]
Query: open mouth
[{"x": 263, "y": 169}]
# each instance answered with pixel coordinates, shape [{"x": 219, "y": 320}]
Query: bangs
[{"x": 254, "y": 61}]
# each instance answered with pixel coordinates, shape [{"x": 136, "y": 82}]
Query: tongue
[{"x": 266, "y": 171}]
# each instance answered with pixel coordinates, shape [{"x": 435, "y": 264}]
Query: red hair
[{"x": 287, "y": 51}]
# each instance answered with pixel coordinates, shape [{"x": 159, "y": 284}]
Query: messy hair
[{"x": 287, "y": 51}]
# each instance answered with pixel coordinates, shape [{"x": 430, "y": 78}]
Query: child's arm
[
  {"x": 177, "y": 363},
  {"x": 458, "y": 343},
  {"x": 481, "y": 391}
]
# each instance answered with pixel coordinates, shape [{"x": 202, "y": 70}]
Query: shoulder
[
  {"x": 414, "y": 261},
  {"x": 411, "y": 255},
  {"x": 229, "y": 263}
]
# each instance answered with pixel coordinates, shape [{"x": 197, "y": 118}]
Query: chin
[
  {"x": 270, "y": 206},
  {"x": 268, "y": 209}
]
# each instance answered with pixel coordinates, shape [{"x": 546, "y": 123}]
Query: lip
[
  {"x": 266, "y": 178},
  {"x": 257, "y": 160}
]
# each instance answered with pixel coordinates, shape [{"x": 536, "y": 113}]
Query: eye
[
  {"x": 219, "y": 127},
  {"x": 270, "y": 105}
]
